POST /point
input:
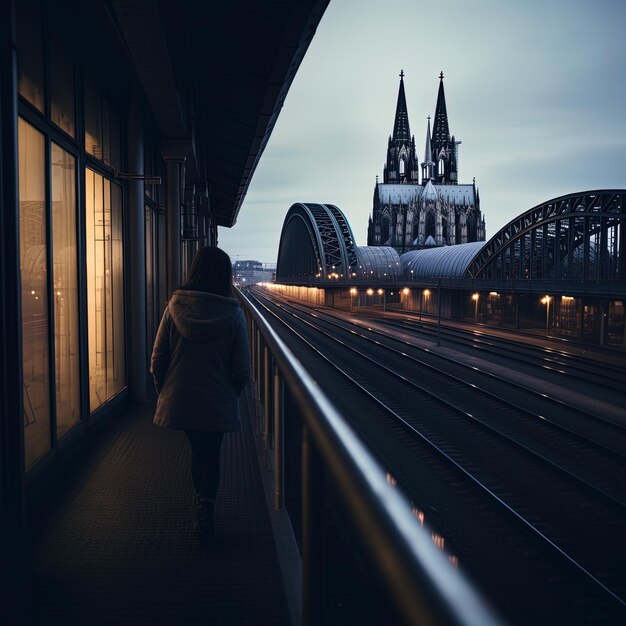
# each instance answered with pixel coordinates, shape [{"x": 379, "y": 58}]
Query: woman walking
[{"x": 200, "y": 365}]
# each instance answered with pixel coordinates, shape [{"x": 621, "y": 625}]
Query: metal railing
[{"x": 424, "y": 587}]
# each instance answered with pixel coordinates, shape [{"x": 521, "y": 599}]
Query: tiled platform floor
[{"x": 117, "y": 547}]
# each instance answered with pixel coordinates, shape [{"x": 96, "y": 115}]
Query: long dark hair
[{"x": 211, "y": 271}]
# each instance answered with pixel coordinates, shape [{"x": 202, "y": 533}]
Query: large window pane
[
  {"x": 30, "y": 52},
  {"x": 62, "y": 87},
  {"x": 105, "y": 288},
  {"x": 65, "y": 297},
  {"x": 34, "y": 276},
  {"x": 102, "y": 126}
]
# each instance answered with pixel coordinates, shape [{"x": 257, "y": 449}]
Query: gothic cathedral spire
[
  {"x": 401, "y": 166},
  {"x": 444, "y": 147},
  {"x": 401, "y": 131},
  {"x": 441, "y": 130}
]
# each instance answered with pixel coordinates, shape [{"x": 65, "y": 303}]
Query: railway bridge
[{"x": 559, "y": 267}]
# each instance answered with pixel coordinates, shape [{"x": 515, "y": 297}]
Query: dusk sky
[{"x": 535, "y": 90}]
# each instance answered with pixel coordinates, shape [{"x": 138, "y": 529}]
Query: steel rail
[{"x": 426, "y": 588}]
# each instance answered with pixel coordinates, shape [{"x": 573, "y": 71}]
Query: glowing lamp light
[
  {"x": 405, "y": 291},
  {"x": 353, "y": 291},
  {"x": 426, "y": 292},
  {"x": 475, "y": 296},
  {"x": 370, "y": 292},
  {"x": 380, "y": 292}
]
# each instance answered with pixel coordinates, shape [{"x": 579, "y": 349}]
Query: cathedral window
[
  {"x": 401, "y": 167},
  {"x": 430, "y": 225},
  {"x": 441, "y": 167},
  {"x": 384, "y": 230},
  {"x": 471, "y": 226}
]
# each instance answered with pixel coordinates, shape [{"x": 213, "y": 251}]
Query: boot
[{"x": 203, "y": 525}]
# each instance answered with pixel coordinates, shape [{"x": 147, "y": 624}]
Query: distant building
[
  {"x": 251, "y": 272},
  {"x": 409, "y": 215}
]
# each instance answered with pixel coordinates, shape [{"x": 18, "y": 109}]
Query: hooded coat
[{"x": 200, "y": 362}]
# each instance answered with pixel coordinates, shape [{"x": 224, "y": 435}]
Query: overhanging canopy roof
[{"x": 216, "y": 75}]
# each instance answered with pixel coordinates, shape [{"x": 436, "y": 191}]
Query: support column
[
  {"x": 174, "y": 155},
  {"x": 173, "y": 224},
  {"x": 279, "y": 441},
  {"x": 137, "y": 267},
  {"x": 12, "y": 517}
]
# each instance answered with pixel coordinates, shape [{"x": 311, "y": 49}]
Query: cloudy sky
[{"x": 535, "y": 90}]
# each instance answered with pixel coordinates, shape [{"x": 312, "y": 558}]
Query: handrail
[{"x": 427, "y": 589}]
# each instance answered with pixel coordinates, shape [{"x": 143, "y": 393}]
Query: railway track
[
  {"x": 561, "y": 363},
  {"x": 430, "y": 427}
]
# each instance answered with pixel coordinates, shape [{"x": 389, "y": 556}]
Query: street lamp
[
  {"x": 423, "y": 294},
  {"x": 381, "y": 292},
  {"x": 353, "y": 293},
  {"x": 546, "y": 300},
  {"x": 475, "y": 297}
]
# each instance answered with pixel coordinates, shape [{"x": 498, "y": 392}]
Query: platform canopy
[{"x": 216, "y": 75}]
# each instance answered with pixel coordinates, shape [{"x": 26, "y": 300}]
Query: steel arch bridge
[
  {"x": 316, "y": 240},
  {"x": 574, "y": 237}
]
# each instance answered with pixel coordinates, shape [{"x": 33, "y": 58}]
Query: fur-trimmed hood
[{"x": 201, "y": 316}]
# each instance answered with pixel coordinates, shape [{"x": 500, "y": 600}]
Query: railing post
[
  {"x": 258, "y": 374},
  {"x": 312, "y": 532},
  {"x": 266, "y": 397},
  {"x": 252, "y": 341},
  {"x": 279, "y": 441}
]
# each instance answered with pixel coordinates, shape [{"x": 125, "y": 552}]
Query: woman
[{"x": 200, "y": 365}]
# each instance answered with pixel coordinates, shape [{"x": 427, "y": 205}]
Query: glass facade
[
  {"x": 34, "y": 275},
  {"x": 105, "y": 288},
  {"x": 55, "y": 361}
]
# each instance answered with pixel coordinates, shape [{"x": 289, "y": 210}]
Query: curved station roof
[{"x": 445, "y": 262}]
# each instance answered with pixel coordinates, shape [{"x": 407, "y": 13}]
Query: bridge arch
[
  {"x": 316, "y": 239},
  {"x": 577, "y": 236}
]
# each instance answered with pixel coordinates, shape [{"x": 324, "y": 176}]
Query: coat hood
[{"x": 201, "y": 316}]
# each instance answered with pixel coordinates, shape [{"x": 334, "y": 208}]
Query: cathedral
[{"x": 438, "y": 211}]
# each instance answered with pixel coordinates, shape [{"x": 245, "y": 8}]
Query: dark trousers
[{"x": 205, "y": 462}]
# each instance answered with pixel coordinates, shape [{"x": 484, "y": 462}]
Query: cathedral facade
[{"x": 410, "y": 213}]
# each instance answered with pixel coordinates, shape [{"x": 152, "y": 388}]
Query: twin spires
[{"x": 439, "y": 155}]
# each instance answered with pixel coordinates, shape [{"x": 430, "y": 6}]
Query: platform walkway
[{"x": 117, "y": 546}]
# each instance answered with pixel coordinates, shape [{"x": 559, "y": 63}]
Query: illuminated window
[
  {"x": 105, "y": 288},
  {"x": 102, "y": 126},
  {"x": 34, "y": 272},
  {"x": 65, "y": 286}
]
